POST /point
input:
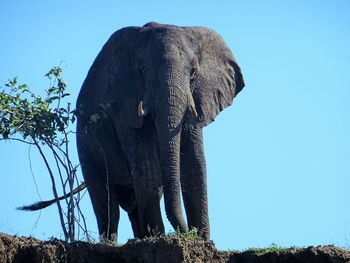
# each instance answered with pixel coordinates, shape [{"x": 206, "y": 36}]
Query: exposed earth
[{"x": 159, "y": 249}]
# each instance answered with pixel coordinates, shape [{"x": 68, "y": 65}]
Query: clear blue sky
[{"x": 278, "y": 160}]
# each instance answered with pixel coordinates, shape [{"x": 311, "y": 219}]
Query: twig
[
  {"x": 54, "y": 189},
  {"x": 80, "y": 213},
  {"x": 15, "y": 139},
  {"x": 36, "y": 188},
  {"x": 107, "y": 188}
]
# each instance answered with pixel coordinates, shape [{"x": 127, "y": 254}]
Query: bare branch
[
  {"x": 16, "y": 139},
  {"x": 54, "y": 189}
]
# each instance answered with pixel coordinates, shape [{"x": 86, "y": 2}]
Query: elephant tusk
[
  {"x": 194, "y": 113},
  {"x": 140, "y": 109},
  {"x": 192, "y": 106}
]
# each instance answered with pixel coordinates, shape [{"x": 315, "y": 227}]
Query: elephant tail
[{"x": 44, "y": 204}]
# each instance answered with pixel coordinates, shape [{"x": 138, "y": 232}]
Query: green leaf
[
  {"x": 23, "y": 86},
  {"x": 54, "y": 90},
  {"x": 53, "y": 98}
]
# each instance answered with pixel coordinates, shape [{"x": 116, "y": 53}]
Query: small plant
[
  {"x": 273, "y": 248},
  {"x": 192, "y": 234},
  {"x": 44, "y": 122}
]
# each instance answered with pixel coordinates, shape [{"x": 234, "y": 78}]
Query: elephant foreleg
[
  {"x": 142, "y": 154},
  {"x": 106, "y": 208},
  {"x": 194, "y": 180},
  {"x": 148, "y": 199},
  {"x": 127, "y": 201},
  {"x": 135, "y": 224}
]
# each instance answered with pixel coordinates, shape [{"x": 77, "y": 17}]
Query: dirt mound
[{"x": 160, "y": 249}]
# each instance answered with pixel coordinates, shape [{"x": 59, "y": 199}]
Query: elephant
[{"x": 141, "y": 111}]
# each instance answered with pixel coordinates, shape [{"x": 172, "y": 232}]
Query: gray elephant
[{"x": 141, "y": 111}]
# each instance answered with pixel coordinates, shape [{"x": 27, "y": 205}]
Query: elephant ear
[
  {"x": 218, "y": 79},
  {"x": 111, "y": 87}
]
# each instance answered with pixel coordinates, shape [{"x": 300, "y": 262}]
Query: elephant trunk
[
  {"x": 171, "y": 182},
  {"x": 169, "y": 124}
]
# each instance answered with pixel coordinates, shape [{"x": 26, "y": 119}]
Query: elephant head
[{"x": 179, "y": 76}]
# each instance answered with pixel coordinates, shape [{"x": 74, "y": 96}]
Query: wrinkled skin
[{"x": 141, "y": 111}]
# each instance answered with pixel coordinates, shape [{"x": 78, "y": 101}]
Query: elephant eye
[{"x": 193, "y": 73}]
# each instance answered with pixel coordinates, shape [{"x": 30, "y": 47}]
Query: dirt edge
[{"x": 15, "y": 249}]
